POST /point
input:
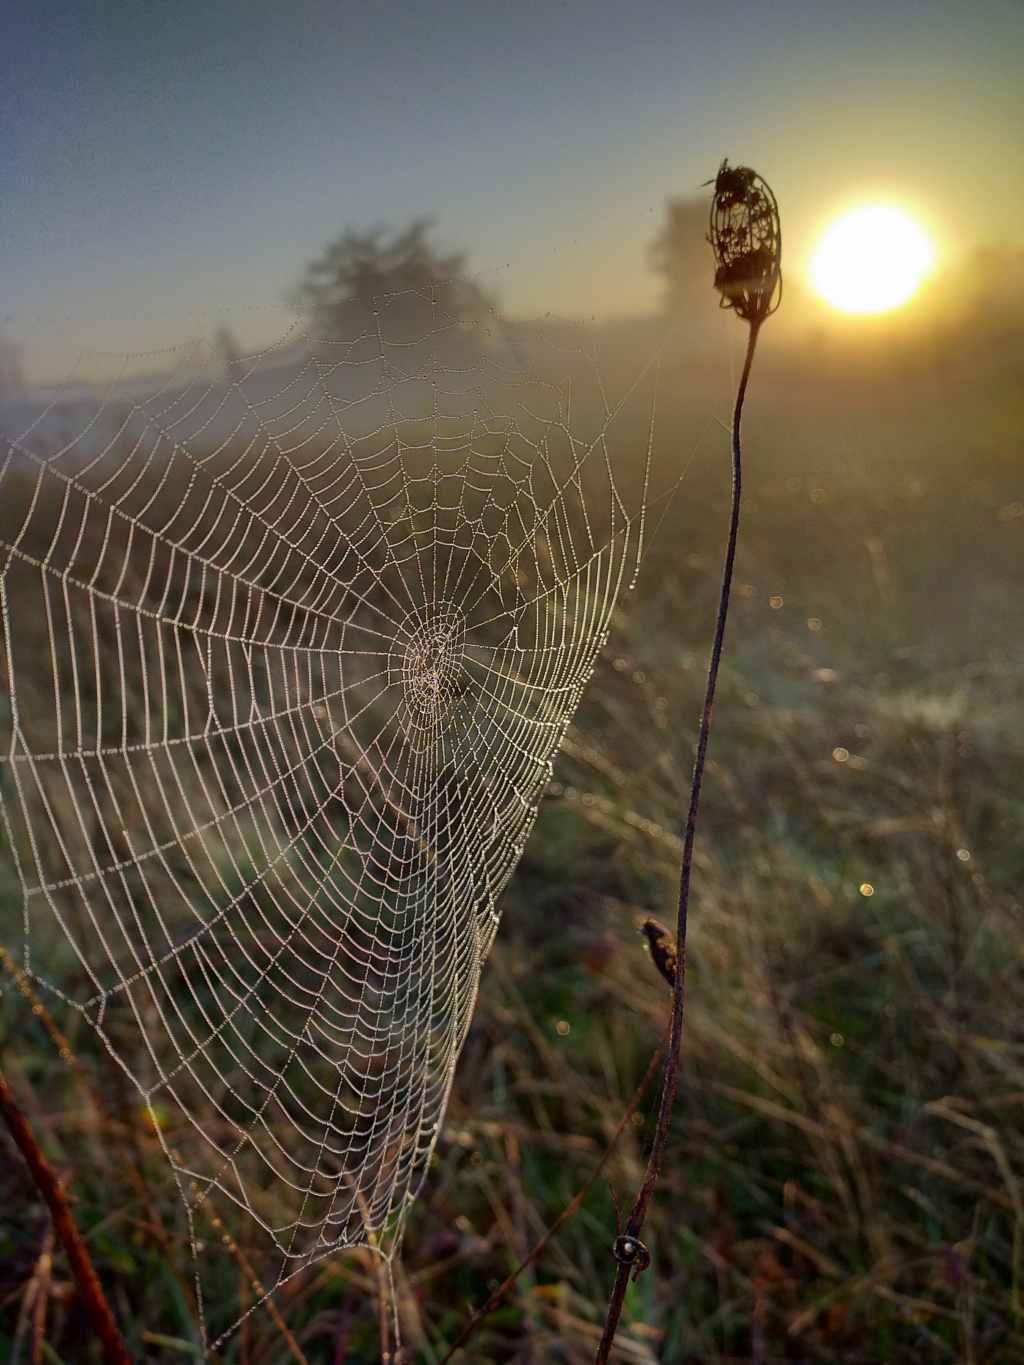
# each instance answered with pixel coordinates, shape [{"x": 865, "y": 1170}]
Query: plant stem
[
  {"x": 638, "y": 1213},
  {"x": 480, "y": 1314},
  {"x": 111, "y": 1345}
]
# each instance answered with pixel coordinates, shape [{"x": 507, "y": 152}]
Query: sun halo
[{"x": 871, "y": 259}]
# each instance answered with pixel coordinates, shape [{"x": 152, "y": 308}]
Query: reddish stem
[{"x": 111, "y": 1345}]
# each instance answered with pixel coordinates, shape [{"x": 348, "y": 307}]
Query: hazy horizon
[{"x": 169, "y": 170}]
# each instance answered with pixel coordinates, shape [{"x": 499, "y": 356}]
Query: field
[{"x": 843, "y": 1181}]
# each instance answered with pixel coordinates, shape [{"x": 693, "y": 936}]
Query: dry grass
[{"x": 843, "y": 1181}]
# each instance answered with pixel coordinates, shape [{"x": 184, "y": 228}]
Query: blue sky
[{"x": 168, "y": 164}]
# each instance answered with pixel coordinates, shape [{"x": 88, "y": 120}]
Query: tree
[
  {"x": 681, "y": 254},
  {"x": 225, "y": 346},
  {"x": 395, "y": 283},
  {"x": 12, "y": 377}
]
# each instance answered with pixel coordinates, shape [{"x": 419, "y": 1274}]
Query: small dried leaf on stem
[{"x": 663, "y": 948}]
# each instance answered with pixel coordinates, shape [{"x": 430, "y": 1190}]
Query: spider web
[{"x": 289, "y": 645}]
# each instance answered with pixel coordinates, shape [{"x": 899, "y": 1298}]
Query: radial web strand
[{"x": 290, "y": 643}]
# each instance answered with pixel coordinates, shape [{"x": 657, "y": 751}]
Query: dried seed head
[
  {"x": 663, "y": 949},
  {"x": 747, "y": 241}
]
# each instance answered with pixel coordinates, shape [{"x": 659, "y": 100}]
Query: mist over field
[{"x": 842, "y": 1177}]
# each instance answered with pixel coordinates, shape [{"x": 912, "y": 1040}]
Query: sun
[{"x": 872, "y": 259}]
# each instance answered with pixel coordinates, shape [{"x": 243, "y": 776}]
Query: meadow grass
[{"x": 843, "y": 1176}]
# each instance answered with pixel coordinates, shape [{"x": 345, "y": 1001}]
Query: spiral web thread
[{"x": 289, "y": 646}]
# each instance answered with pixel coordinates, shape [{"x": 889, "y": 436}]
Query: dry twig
[{"x": 747, "y": 241}]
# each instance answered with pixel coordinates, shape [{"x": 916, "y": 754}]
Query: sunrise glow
[{"x": 872, "y": 259}]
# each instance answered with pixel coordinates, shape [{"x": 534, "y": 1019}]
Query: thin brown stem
[
  {"x": 110, "y": 1343},
  {"x": 248, "y": 1270},
  {"x": 635, "y": 1221},
  {"x": 132, "y": 1160},
  {"x": 496, "y": 1297}
]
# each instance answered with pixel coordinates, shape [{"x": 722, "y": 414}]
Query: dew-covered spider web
[{"x": 290, "y": 643}]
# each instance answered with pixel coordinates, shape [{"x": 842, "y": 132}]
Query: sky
[{"x": 168, "y": 168}]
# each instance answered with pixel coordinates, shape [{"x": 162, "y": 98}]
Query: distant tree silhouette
[
  {"x": 397, "y": 283},
  {"x": 680, "y": 254},
  {"x": 225, "y": 345},
  {"x": 12, "y": 377}
]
